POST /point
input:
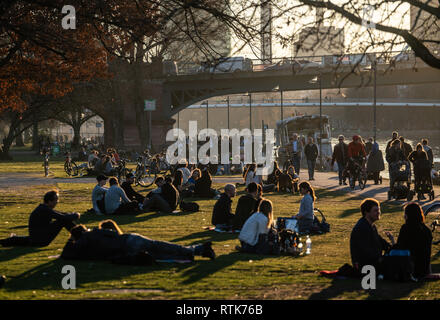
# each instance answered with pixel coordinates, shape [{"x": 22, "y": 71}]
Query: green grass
[{"x": 33, "y": 273}]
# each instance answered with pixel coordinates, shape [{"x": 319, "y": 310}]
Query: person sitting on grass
[
  {"x": 108, "y": 242},
  {"x": 258, "y": 224},
  {"x": 129, "y": 191},
  {"x": 246, "y": 206},
  {"x": 195, "y": 175},
  {"x": 366, "y": 245},
  {"x": 202, "y": 187},
  {"x": 117, "y": 202},
  {"x": 222, "y": 212},
  {"x": 306, "y": 214},
  {"x": 164, "y": 198},
  {"x": 416, "y": 237},
  {"x": 98, "y": 195},
  {"x": 44, "y": 224}
]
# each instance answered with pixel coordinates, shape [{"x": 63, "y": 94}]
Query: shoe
[
  {"x": 207, "y": 251},
  {"x": 340, "y": 183},
  {"x": 219, "y": 230},
  {"x": 345, "y": 183}
]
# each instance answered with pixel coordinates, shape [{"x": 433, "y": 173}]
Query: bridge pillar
[{"x": 137, "y": 122}]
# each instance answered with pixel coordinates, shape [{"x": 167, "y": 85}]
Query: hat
[
  {"x": 101, "y": 177},
  {"x": 129, "y": 175}
]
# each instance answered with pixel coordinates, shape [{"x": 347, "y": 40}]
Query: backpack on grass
[
  {"x": 320, "y": 226},
  {"x": 189, "y": 206}
]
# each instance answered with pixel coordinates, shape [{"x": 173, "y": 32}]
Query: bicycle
[
  {"x": 143, "y": 174},
  {"x": 70, "y": 166},
  {"x": 121, "y": 170},
  {"x": 356, "y": 173}
]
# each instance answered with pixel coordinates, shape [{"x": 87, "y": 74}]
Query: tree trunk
[
  {"x": 76, "y": 136},
  {"x": 35, "y": 138},
  {"x": 19, "y": 139}
]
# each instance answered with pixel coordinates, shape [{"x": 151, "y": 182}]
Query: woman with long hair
[
  {"x": 306, "y": 215},
  {"x": 416, "y": 237},
  {"x": 258, "y": 224}
]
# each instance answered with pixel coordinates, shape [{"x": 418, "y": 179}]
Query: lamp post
[
  {"x": 178, "y": 120},
  {"x": 373, "y": 68},
  {"x": 250, "y": 109},
  {"x": 227, "y": 100},
  {"x": 207, "y": 114},
  {"x": 318, "y": 78},
  {"x": 374, "y": 102},
  {"x": 281, "y": 106}
]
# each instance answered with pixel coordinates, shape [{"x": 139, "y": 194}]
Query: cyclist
[{"x": 356, "y": 154}]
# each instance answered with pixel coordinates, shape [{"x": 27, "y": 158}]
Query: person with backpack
[
  {"x": 306, "y": 214},
  {"x": 246, "y": 206},
  {"x": 253, "y": 236},
  {"x": 98, "y": 194},
  {"x": 109, "y": 243},
  {"x": 416, "y": 237},
  {"x": 222, "y": 211},
  {"x": 44, "y": 224}
]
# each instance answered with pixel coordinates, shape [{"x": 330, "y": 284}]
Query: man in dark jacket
[
  {"x": 428, "y": 151},
  {"x": 245, "y": 207},
  {"x": 406, "y": 147},
  {"x": 311, "y": 152},
  {"x": 165, "y": 198},
  {"x": 394, "y": 137},
  {"x": 222, "y": 212},
  {"x": 129, "y": 191},
  {"x": 44, "y": 224},
  {"x": 340, "y": 155},
  {"x": 366, "y": 245}
]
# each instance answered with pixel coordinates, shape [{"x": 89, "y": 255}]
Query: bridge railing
[{"x": 242, "y": 64}]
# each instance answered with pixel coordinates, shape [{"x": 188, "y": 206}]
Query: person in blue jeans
[
  {"x": 108, "y": 242},
  {"x": 311, "y": 152}
]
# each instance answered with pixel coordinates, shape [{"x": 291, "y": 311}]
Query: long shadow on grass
[
  {"x": 384, "y": 289},
  {"x": 87, "y": 218},
  {"x": 204, "y": 269},
  {"x": 15, "y": 252},
  {"x": 48, "y": 275}
]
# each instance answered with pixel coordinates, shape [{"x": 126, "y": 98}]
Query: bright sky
[{"x": 354, "y": 35}]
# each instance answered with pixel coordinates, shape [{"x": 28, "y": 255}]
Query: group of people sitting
[
  {"x": 107, "y": 242},
  {"x": 249, "y": 204}
]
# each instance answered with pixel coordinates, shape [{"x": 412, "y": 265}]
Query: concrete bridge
[{"x": 175, "y": 93}]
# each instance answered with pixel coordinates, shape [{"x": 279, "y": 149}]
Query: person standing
[
  {"x": 428, "y": 151},
  {"x": 340, "y": 155},
  {"x": 311, "y": 153},
  {"x": 296, "y": 152},
  {"x": 406, "y": 147},
  {"x": 369, "y": 146},
  {"x": 375, "y": 162},
  {"x": 395, "y": 136}
]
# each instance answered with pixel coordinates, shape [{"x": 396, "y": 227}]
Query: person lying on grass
[
  {"x": 108, "y": 242},
  {"x": 44, "y": 224}
]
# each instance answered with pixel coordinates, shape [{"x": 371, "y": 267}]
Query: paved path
[{"x": 323, "y": 180}]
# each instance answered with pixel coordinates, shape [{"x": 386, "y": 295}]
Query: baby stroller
[
  {"x": 423, "y": 181},
  {"x": 400, "y": 174}
]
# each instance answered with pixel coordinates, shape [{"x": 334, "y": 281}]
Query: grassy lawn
[{"x": 35, "y": 273}]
